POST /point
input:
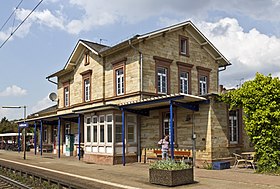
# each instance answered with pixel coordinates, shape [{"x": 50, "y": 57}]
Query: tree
[
  {"x": 260, "y": 100},
  {"x": 7, "y": 126}
]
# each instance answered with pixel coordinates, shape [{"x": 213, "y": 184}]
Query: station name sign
[{"x": 23, "y": 125}]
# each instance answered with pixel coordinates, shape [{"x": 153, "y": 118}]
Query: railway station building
[{"x": 115, "y": 101}]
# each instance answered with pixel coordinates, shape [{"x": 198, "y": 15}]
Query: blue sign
[{"x": 23, "y": 125}]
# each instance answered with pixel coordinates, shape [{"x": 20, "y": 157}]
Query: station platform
[{"x": 136, "y": 175}]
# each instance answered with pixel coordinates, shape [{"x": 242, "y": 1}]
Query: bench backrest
[
  {"x": 182, "y": 153},
  {"x": 176, "y": 152}
]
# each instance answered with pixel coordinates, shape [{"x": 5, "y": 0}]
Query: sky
[{"x": 247, "y": 33}]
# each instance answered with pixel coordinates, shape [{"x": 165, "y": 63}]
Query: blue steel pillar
[
  {"x": 123, "y": 136},
  {"x": 41, "y": 138},
  {"x": 79, "y": 136},
  {"x": 18, "y": 139},
  {"x": 58, "y": 133},
  {"x": 171, "y": 131},
  {"x": 35, "y": 138}
]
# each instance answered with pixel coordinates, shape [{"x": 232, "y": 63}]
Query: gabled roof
[
  {"x": 49, "y": 110},
  {"x": 75, "y": 55},
  {"x": 93, "y": 46},
  {"x": 187, "y": 26},
  {"x": 104, "y": 50}
]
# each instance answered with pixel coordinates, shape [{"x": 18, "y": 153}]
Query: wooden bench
[
  {"x": 46, "y": 148},
  {"x": 156, "y": 154},
  {"x": 178, "y": 154}
]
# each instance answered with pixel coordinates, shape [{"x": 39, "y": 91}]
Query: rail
[
  {"x": 39, "y": 177},
  {"x": 7, "y": 183}
]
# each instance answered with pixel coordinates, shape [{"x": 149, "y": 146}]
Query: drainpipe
[
  {"x": 220, "y": 70},
  {"x": 224, "y": 68},
  {"x": 52, "y": 81},
  {"x": 193, "y": 140},
  {"x": 141, "y": 66}
]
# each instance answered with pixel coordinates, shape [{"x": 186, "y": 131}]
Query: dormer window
[{"x": 184, "y": 46}]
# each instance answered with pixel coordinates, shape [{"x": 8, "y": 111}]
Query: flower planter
[{"x": 171, "y": 177}]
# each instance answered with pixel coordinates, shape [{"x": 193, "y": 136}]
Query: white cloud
[
  {"x": 44, "y": 17},
  {"x": 249, "y": 52},
  {"x": 85, "y": 15},
  {"x": 42, "y": 104},
  {"x": 13, "y": 91},
  {"x": 98, "y": 13},
  {"x": 4, "y": 35}
]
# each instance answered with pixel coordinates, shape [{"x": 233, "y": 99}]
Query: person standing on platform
[{"x": 164, "y": 146}]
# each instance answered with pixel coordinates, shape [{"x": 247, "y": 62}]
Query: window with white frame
[
  {"x": 233, "y": 126},
  {"x": 120, "y": 81},
  {"x": 109, "y": 127},
  {"x": 102, "y": 129},
  {"x": 131, "y": 128},
  {"x": 67, "y": 129},
  {"x": 203, "y": 85},
  {"x": 88, "y": 130},
  {"x": 94, "y": 128},
  {"x": 118, "y": 126},
  {"x": 166, "y": 124},
  {"x": 184, "y": 83},
  {"x": 66, "y": 96},
  {"x": 184, "y": 46},
  {"x": 87, "y": 89},
  {"x": 45, "y": 135},
  {"x": 162, "y": 80}
]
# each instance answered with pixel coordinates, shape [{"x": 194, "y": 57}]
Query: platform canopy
[{"x": 162, "y": 101}]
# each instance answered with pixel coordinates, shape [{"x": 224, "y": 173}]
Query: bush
[
  {"x": 169, "y": 165},
  {"x": 259, "y": 99}
]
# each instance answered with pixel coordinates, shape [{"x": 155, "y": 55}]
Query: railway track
[{"x": 8, "y": 183}]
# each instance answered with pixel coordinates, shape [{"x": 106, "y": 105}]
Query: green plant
[
  {"x": 259, "y": 99},
  {"x": 169, "y": 165},
  {"x": 207, "y": 165}
]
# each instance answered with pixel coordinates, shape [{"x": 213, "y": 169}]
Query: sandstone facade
[{"x": 142, "y": 56}]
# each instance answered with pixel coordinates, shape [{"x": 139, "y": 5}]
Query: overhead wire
[
  {"x": 11, "y": 15},
  {"x": 20, "y": 24}
]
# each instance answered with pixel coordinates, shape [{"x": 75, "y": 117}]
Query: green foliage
[
  {"x": 260, "y": 100},
  {"x": 7, "y": 126},
  {"x": 169, "y": 165},
  {"x": 207, "y": 165}
]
